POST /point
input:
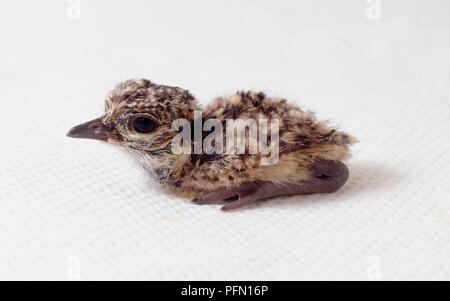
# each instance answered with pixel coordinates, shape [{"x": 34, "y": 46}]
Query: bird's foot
[
  {"x": 327, "y": 176},
  {"x": 234, "y": 197}
]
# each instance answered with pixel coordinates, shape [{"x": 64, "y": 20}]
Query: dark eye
[{"x": 143, "y": 124}]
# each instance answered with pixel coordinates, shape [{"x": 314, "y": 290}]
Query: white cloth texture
[{"x": 84, "y": 210}]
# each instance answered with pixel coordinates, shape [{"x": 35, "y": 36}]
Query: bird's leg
[{"x": 327, "y": 176}]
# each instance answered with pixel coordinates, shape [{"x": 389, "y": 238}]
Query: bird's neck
[{"x": 165, "y": 167}]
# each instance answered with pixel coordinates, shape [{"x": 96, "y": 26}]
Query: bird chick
[{"x": 141, "y": 117}]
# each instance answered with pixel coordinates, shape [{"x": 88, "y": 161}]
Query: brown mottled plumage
[{"x": 310, "y": 151}]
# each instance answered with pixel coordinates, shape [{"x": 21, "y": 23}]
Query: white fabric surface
[{"x": 78, "y": 209}]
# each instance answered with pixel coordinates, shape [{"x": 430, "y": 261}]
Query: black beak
[{"x": 94, "y": 129}]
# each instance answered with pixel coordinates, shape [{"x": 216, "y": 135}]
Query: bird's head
[{"x": 138, "y": 116}]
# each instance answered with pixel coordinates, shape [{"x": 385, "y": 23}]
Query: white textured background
[{"x": 74, "y": 209}]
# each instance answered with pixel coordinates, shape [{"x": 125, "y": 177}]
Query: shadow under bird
[{"x": 139, "y": 116}]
